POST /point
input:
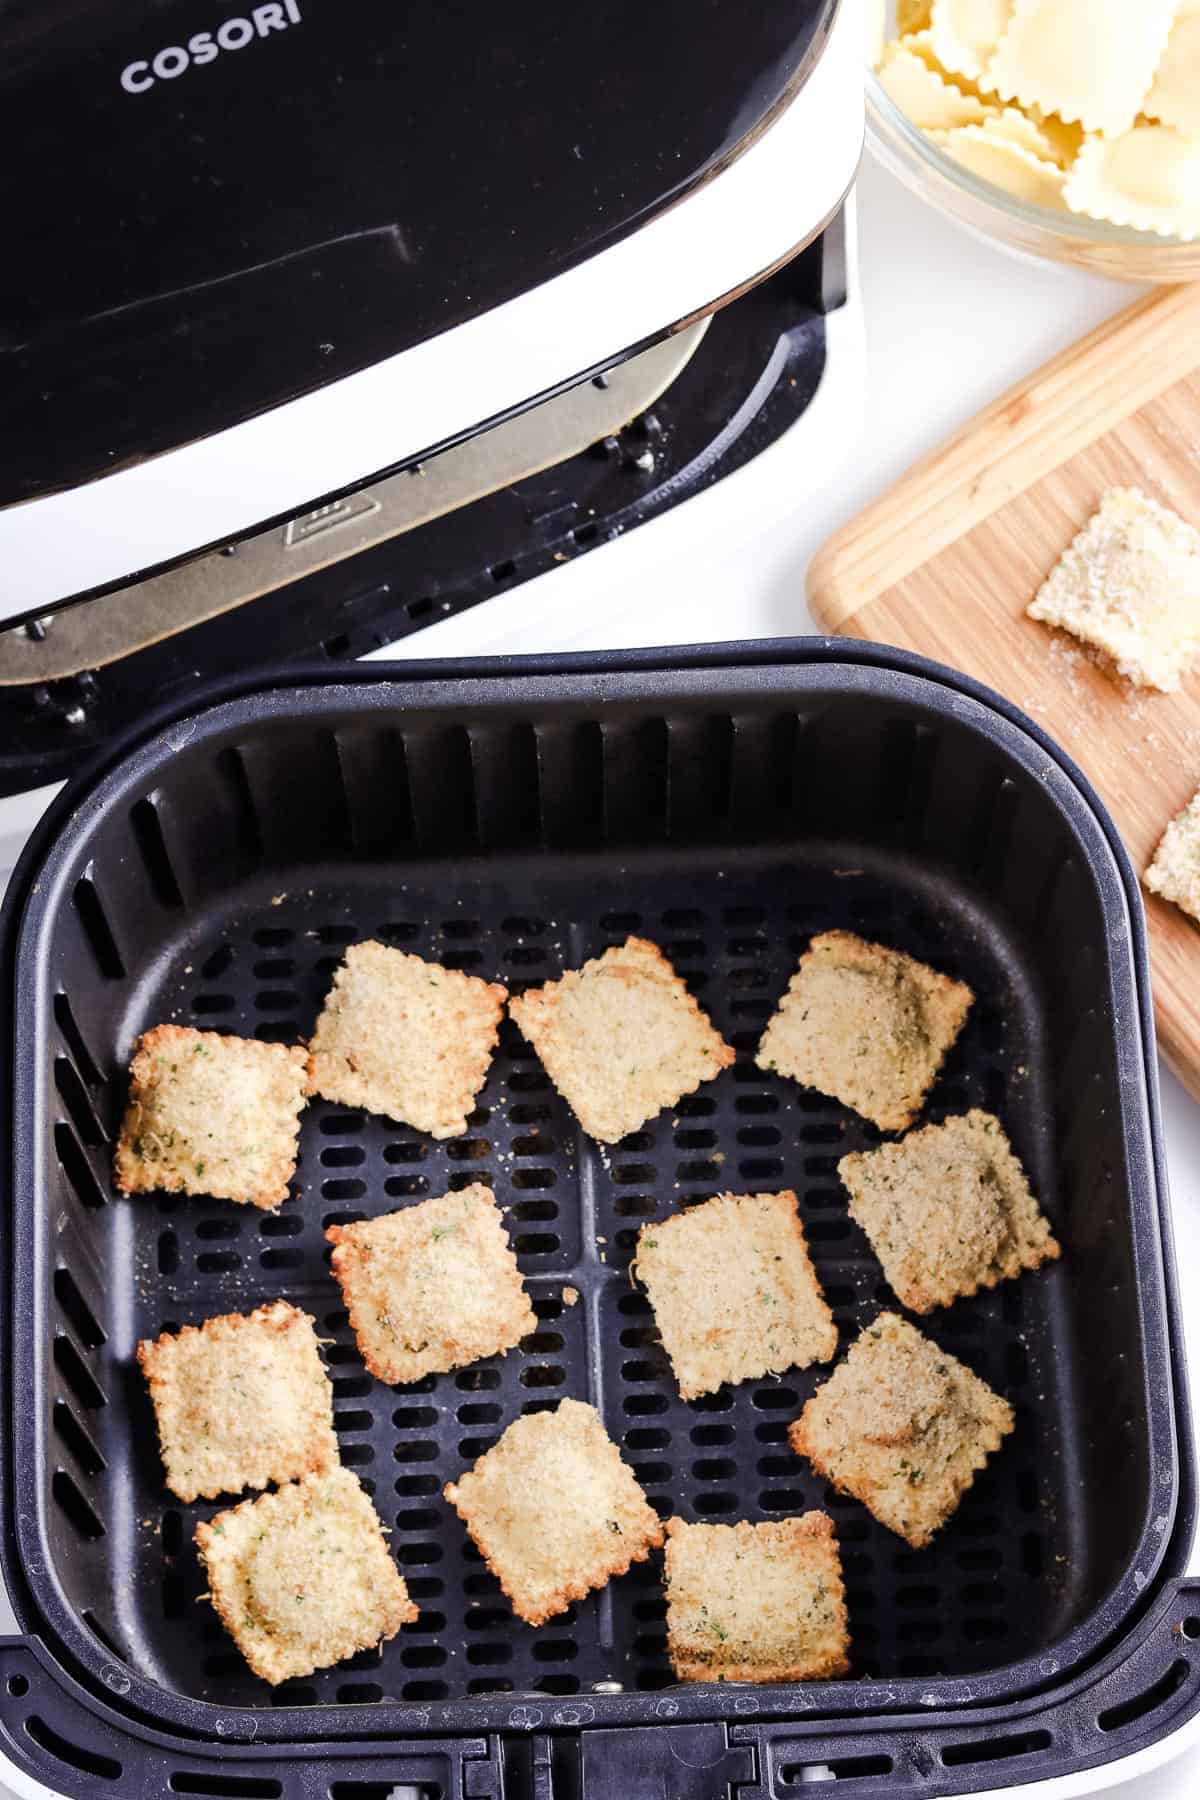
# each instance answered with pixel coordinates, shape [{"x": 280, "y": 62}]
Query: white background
[{"x": 949, "y": 323}]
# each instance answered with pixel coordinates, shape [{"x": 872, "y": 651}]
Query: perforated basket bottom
[{"x": 989, "y": 1590}]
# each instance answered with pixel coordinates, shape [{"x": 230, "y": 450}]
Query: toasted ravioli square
[
  {"x": 734, "y": 1291},
  {"x": 1089, "y": 60},
  {"x": 621, "y": 1038},
  {"x": 868, "y": 1025},
  {"x": 432, "y": 1287},
  {"x": 406, "y": 1038},
  {"x": 903, "y": 1426},
  {"x": 1129, "y": 584},
  {"x": 948, "y": 1211},
  {"x": 240, "y": 1401},
  {"x": 1175, "y": 870},
  {"x": 756, "y": 1602},
  {"x": 554, "y": 1511},
  {"x": 210, "y": 1114},
  {"x": 303, "y": 1578}
]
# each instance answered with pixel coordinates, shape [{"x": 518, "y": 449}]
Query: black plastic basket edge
[
  {"x": 702, "y": 658},
  {"x": 620, "y": 1709},
  {"x": 1133, "y": 1700}
]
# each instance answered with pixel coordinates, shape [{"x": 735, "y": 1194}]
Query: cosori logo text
[{"x": 206, "y": 46}]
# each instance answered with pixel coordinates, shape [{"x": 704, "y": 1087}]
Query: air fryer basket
[{"x": 513, "y": 820}]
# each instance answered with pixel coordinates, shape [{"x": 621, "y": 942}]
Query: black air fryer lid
[{"x": 210, "y": 213}]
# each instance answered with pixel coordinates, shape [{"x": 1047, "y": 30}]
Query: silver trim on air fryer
[{"x": 101, "y": 631}]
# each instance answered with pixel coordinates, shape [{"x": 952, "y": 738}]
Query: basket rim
[{"x": 41, "y": 1607}]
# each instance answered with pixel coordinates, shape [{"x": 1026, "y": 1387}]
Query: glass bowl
[{"x": 1034, "y": 232}]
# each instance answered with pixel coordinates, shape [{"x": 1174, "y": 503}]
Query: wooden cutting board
[{"x": 947, "y": 561}]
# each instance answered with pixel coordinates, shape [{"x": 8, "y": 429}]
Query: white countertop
[{"x": 949, "y": 323}]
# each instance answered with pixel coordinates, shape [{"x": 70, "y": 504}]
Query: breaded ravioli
[
  {"x": 433, "y": 1287},
  {"x": 756, "y": 1602},
  {"x": 240, "y": 1401},
  {"x": 1175, "y": 870},
  {"x": 405, "y": 1038},
  {"x": 866, "y": 1024},
  {"x": 734, "y": 1291},
  {"x": 303, "y": 1578},
  {"x": 621, "y": 1038},
  {"x": 210, "y": 1114},
  {"x": 948, "y": 1211},
  {"x": 903, "y": 1426},
  {"x": 553, "y": 1510},
  {"x": 1129, "y": 584}
]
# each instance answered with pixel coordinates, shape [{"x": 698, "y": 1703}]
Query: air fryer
[{"x": 327, "y": 323}]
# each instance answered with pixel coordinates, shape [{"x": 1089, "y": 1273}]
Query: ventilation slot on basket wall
[
  {"x": 374, "y": 779},
  {"x": 97, "y": 930},
  {"x": 700, "y": 758},
  {"x": 77, "y": 1440},
  {"x": 571, "y": 783},
  {"x": 77, "y": 1375},
  {"x": 85, "y": 1062},
  {"x": 75, "y": 1756},
  {"x": 225, "y": 1787},
  {"x": 246, "y": 833},
  {"x": 505, "y": 771},
  {"x": 78, "y": 1313},
  {"x": 763, "y": 770},
  {"x": 1164, "y": 1689},
  {"x": 86, "y": 1522},
  {"x": 106, "y": 1638},
  {"x": 840, "y": 1768},
  {"x": 383, "y": 1790},
  {"x": 997, "y": 1749},
  {"x": 74, "y": 1097},
  {"x": 992, "y": 829},
  {"x": 76, "y": 1167},
  {"x": 148, "y": 835},
  {"x": 442, "y": 785},
  {"x": 635, "y": 781}
]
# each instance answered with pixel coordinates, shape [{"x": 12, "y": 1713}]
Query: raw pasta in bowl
[{"x": 1066, "y": 129}]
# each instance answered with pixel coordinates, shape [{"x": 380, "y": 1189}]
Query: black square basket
[{"x": 513, "y": 819}]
